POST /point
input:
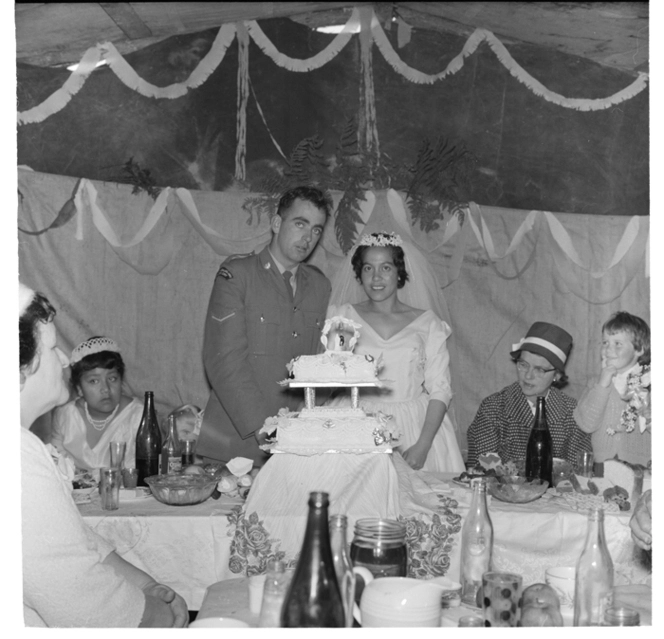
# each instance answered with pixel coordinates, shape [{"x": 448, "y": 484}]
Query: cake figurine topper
[{"x": 340, "y": 334}]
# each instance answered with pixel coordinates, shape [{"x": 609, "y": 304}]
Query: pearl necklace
[{"x": 99, "y": 424}]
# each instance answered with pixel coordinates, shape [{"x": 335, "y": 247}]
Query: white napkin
[
  {"x": 63, "y": 463},
  {"x": 240, "y": 466}
]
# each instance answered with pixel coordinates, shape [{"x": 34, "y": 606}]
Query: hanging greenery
[
  {"x": 141, "y": 179},
  {"x": 442, "y": 171}
]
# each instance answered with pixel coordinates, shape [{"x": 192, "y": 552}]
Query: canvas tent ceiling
[{"x": 613, "y": 34}]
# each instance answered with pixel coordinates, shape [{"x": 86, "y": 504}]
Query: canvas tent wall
[{"x": 141, "y": 271}]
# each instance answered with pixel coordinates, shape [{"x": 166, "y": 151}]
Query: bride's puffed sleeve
[
  {"x": 437, "y": 378},
  {"x": 333, "y": 310}
]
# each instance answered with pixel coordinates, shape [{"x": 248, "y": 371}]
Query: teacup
[
  {"x": 561, "y": 579},
  {"x": 391, "y": 602}
]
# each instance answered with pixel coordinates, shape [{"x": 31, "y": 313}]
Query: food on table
[
  {"x": 193, "y": 469},
  {"x": 84, "y": 480},
  {"x": 180, "y": 489},
  {"x": 541, "y": 595},
  {"x": 517, "y": 490},
  {"x": 618, "y": 489},
  {"x": 536, "y": 615}
]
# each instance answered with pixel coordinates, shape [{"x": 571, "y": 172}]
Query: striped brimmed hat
[{"x": 549, "y": 341}]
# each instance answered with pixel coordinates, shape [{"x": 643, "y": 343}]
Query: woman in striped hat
[{"x": 504, "y": 420}]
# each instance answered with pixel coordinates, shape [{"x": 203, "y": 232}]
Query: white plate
[
  {"x": 82, "y": 495},
  {"x": 133, "y": 494}
]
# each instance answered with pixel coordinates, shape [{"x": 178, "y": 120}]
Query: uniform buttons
[{"x": 295, "y": 334}]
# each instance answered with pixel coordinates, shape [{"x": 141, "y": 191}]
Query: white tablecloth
[
  {"x": 186, "y": 547},
  {"x": 189, "y": 547}
]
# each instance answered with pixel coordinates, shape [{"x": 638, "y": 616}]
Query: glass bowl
[
  {"x": 516, "y": 490},
  {"x": 181, "y": 490}
]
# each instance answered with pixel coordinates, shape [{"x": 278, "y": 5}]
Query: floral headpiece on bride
[{"x": 381, "y": 239}]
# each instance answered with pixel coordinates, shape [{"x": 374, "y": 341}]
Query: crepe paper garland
[
  {"x": 59, "y": 99},
  {"x": 629, "y": 251},
  {"x": 199, "y": 75},
  {"x": 242, "y": 99},
  {"x": 315, "y": 62}
]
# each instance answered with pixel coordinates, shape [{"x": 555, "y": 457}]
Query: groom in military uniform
[{"x": 265, "y": 309}]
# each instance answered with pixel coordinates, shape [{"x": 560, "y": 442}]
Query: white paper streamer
[
  {"x": 58, "y": 100},
  {"x": 315, "y": 62},
  {"x": 558, "y": 233},
  {"x": 104, "y": 227}
]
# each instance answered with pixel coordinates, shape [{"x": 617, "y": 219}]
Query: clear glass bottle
[
  {"x": 539, "y": 451},
  {"x": 342, "y": 565},
  {"x": 148, "y": 441},
  {"x": 314, "y": 599},
  {"x": 171, "y": 452},
  {"x": 594, "y": 575},
  {"x": 274, "y": 593},
  {"x": 476, "y": 545}
]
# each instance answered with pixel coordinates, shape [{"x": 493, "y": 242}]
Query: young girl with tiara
[
  {"x": 615, "y": 407},
  {"x": 101, "y": 412}
]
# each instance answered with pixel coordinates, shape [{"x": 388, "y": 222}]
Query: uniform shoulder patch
[{"x": 224, "y": 271}]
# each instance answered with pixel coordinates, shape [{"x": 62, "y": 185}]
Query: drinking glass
[
  {"x": 188, "y": 451},
  {"x": 117, "y": 450},
  {"x": 584, "y": 464},
  {"x": 501, "y": 594},
  {"x": 109, "y": 488},
  {"x": 130, "y": 477}
]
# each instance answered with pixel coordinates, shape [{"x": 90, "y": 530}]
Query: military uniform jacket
[{"x": 252, "y": 330}]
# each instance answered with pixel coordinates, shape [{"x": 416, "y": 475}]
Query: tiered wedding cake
[{"x": 316, "y": 430}]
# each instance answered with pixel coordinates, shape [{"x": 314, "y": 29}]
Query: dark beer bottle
[
  {"x": 148, "y": 441},
  {"x": 314, "y": 599},
  {"x": 539, "y": 452}
]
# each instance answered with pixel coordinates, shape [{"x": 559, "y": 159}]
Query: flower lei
[
  {"x": 381, "y": 239},
  {"x": 637, "y": 397}
]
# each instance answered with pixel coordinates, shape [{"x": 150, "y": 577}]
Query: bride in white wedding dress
[{"x": 411, "y": 340}]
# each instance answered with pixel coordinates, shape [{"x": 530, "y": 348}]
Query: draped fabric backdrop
[{"x": 141, "y": 271}]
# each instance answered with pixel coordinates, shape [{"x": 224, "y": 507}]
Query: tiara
[
  {"x": 92, "y": 346},
  {"x": 381, "y": 239}
]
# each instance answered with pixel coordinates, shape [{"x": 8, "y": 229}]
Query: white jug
[{"x": 391, "y": 602}]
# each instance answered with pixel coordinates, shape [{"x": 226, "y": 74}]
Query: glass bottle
[
  {"x": 313, "y": 599},
  {"x": 274, "y": 592},
  {"x": 342, "y": 566},
  {"x": 379, "y": 545},
  {"x": 594, "y": 575},
  {"x": 476, "y": 545},
  {"x": 171, "y": 455},
  {"x": 148, "y": 441},
  {"x": 539, "y": 452}
]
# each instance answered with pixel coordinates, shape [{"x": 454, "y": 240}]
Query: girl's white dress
[
  {"x": 415, "y": 370},
  {"x": 68, "y": 435}
]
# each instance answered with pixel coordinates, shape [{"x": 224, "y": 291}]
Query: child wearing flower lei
[{"x": 616, "y": 407}]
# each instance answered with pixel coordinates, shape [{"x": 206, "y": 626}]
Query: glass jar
[
  {"x": 622, "y": 616},
  {"x": 379, "y": 545}
]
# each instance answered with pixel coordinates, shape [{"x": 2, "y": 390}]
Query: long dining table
[{"x": 190, "y": 547}]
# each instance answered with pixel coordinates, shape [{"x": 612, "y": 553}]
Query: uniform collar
[{"x": 279, "y": 266}]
